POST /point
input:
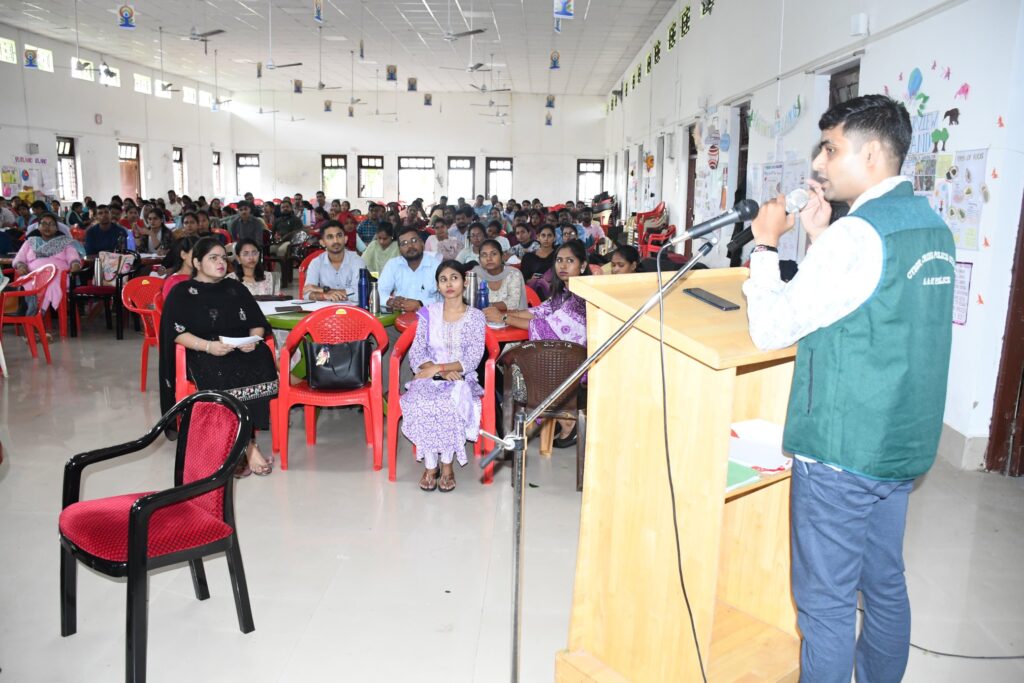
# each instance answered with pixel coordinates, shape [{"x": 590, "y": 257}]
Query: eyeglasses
[{"x": 411, "y": 240}]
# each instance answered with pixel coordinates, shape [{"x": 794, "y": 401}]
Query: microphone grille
[
  {"x": 747, "y": 210},
  {"x": 796, "y": 200}
]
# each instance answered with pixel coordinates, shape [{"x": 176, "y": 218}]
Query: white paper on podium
[{"x": 758, "y": 444}]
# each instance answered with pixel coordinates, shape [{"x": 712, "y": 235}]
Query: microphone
[
  {"x": 795, "y": 201},
  {"x": 743, "y": 211}
]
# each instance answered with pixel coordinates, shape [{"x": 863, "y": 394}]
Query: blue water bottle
[
  {"x": 364, "y": 288},
  {"x": 483, "y": 296}
]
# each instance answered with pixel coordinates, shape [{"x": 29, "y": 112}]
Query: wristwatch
[{"x": 764, "y": 247}]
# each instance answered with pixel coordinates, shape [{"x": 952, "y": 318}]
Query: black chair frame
[
  {"x": 138, "y": 564},
  {"x": 111, "y": 302}
]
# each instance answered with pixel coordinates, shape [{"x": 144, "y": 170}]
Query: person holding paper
[
  {"x": 871, "y": 309},
  {"x": 334, "y": 274},
  {"x": 198, "y": 314}
]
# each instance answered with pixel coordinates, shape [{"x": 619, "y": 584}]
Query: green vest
[{"x": 869, "y": 390}]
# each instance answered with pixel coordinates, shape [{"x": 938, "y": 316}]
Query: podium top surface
[{"x": 718, "y": 339}]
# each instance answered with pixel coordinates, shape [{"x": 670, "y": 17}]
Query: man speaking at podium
[{"x": 871, "y": 309}]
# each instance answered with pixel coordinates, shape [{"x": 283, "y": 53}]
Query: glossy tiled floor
[{"x": 353, "y": 578}]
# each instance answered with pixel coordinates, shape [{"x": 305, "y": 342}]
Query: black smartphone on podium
[{"x": 711, "y": 299}]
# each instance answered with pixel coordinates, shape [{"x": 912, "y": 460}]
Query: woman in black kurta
[{"x": 197, "y": 313}]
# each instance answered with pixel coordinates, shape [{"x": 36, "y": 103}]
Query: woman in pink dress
[{"x": 49, "y": 246}]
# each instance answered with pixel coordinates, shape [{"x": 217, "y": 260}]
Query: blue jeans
[{"x": 847, "y": 536}]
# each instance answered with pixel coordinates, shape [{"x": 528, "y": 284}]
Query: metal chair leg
[
  {"x": 239, "y": 587},
  {"x": 138, "y": 617},
  {"x": 68, "y": 593},
  {"x": 199, "y": 579}
]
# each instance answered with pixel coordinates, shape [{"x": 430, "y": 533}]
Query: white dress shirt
[{"x": 839, "y": 273}]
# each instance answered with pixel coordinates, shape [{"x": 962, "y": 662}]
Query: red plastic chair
[
  {"x": 139, "y": 297},
  {"x": 183, "y": 386},
  {"x": 304, "y": 266},
  {"x": 654, "y": 241},
  {"x": 223, "y": 232},
  {"x": 532, "y": 297},
  {"x": 487, "y": 414},
  {"x": 78, "y": 234},
  {"x": 334, "y": 325},
  {"x": 33, "y": 284},
  {"x": 643, "y": 217},
  {"x": 130, "y": 535}
]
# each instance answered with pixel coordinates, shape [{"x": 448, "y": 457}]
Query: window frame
[
  {"x": 472, "y": 176},
  {"x": 488, "y": 170},
  {"x": 11, "y": 51},
  {"x": 86, "y": 73},
  {"x": 432, "y": 168},
  {"x": 580, "y": 173},
  {"x": 110, "y": 81},
  {"x": 325, "y": 166},
  {"x": 240, "y": 166},
  {"x": 218, "y": 180},
  {"x": 188, "y": 95},
  {"x": 67, "y": 157},
  {"x": 178, "y": 169},
  {"x": 145, "y": 81},
  {"x": 359, "y": 174},
  {"x": 41, "y": 52}
]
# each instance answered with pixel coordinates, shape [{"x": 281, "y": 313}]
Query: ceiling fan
[
  {"x": 490, "y": 103},
  {"x": 164, "y": 85},
  {"x": 217, "y": 101},
  {"x": 259, "y": 84},
  {"x": 469, "y": 68},
  {"x": 270, "y": 41},
  {"x": 484, "y": 88},
  {"x": 320, "y": 52},
  {"x": 376, "y": 108},
  {"x": 352, "y": 82},
  {"x": 195, "y": 35},
  {"x": 451, "y": 36}
]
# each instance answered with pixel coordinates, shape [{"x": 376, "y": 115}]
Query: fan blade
[
  {"x": 477, "y": 87},
  {"x": 474, "y": 32},
  {"x": 474, "y": 67},
  {"x": 284, "y": 66},
  {"x": 502, "y": 90},
  {"x": 215, "y": 32}
]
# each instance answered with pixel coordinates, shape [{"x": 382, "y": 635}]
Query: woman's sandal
[
  {"x": 266, "y": 469},
  {"x": 446, "y": 484},
  {"x": 242, "y": 470},
  {"x": 428, "y": 482}
]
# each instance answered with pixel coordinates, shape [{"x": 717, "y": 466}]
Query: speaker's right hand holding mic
[
  {"x": 817, "y": 213},
  {"x": 771, "y": 222}
]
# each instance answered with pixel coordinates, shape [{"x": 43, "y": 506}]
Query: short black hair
[
  {"x": 331, "y": 224},
  {"x": 449, "y": 264},
  {"x": 873, "y": 117},
  {"x": 385, "y": 228},
  {"x": 406, "y": 229}
]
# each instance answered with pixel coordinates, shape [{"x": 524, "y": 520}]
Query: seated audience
[
  {"x": 155, "y": 238},
  {"x": 107, "y": 235},
  {"x": 493, "y": 232},
  {"x": 541, "y": 259},
  {"x": 442, "y": 404},
  {"x": 286, "y": 228},
  {"x": 368, "y": 228},
  {"x": 443, "y": 243},
  {"x": 352, "y": 240},
  {"x": 249, "y": 269},
  {"x": 505, "y": 288},
  {"x": 75, "y": 216},
  {"x": 47, "y": 245},
  {"x": 197, "y": 315},
  {"x": 624, "y": 260},
  {"x": 178, "y": 263},
  {"x": 247, "y": 224},
  {"x": 525, "y": 244},
  {"x": 382, "y": 249},
  {"x": 334, "y": 274},
  {"x": 471, "y": 251}
]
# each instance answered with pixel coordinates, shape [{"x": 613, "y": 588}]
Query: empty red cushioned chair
[{"x": 131, "y": 534}]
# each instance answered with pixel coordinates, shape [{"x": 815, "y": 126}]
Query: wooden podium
[{"x": 629, "y": 621}]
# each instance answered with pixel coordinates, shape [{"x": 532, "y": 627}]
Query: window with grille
[
  {"x": 461, "y": 177},
  {"x": 371, "y": 177},
  {"x": 589, "y": 179},
  {"x": 416, "y": 179},
  {"x": 110, "y": 76},
  {"x": 188, "y": 95},
  {"x": 127, "y": 151},
  {"x": 334, "y": 175},
  {"x": 143, "y": 84},
  {"x": 8, "y": 51},
  {"x": 247, "y": 172},
  {"x": 218, "y": 184},
  {"x": 499, "y": 177},
  {"x": 67, "y": 169},
  {"x": 178, "y": 167},
  {"x": 844, "y": 85}
]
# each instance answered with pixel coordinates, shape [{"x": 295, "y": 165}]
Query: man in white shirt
[
  {"x": 334, "y": 274},
  {"x": 174, "y": 205},
  {"x": 871, "y": 308}
]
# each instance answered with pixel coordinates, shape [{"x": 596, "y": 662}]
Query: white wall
[
  {"x": 779, "y": 41},
  {"x": 544, "y": 157},
  {"x": 37, "y": 106}
]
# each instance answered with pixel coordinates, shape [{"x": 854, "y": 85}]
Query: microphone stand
[{"x": 516, "y": 442}]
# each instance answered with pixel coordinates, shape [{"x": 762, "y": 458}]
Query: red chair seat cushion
[
  {"x": 95, "y": 290},
  {"x": 100, "y": 527}
]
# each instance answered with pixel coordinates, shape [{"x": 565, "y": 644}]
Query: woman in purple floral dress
[{"x": 441, "y": 405}]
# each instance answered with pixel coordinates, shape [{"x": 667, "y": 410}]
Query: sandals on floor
[
  {"x": 446, "y": 483},
  {"x": 428, "y": 482}
]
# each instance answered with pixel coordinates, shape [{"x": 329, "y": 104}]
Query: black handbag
[{"x": 337, "y": 366}]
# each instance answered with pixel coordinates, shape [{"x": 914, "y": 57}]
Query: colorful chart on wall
[
  {"x": 9, "y": 178},
  {"x": 967, "y": 199}
]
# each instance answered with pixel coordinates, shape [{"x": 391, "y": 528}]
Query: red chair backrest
[
  {"x": 222, "y": 231},
  {"x": 78, "y": 234},
  {"x": 304, "y": 266},
  {"x": 212, "y": 429},
  {"x": 38, "y": 280},
  {"x": 532, "y": 298},
  {"x": 491, "y": 346},
  {"x": 334, "y": 325},
  {"x": 139, "y": 296}
]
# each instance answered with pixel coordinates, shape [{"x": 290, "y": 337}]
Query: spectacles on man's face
[{"x": 409, "y": 242}]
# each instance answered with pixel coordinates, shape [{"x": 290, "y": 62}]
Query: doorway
[
  {"x": 1005, "y": 452},
  {"x": 131, "y": 175}
]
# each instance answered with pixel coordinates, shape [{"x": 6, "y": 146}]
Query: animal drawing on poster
[
  {"x": 953, "y": 116},
  {"x": 963, "y": 91}
]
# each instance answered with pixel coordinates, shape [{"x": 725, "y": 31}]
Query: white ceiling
[{"x": 595, "y": 47}]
